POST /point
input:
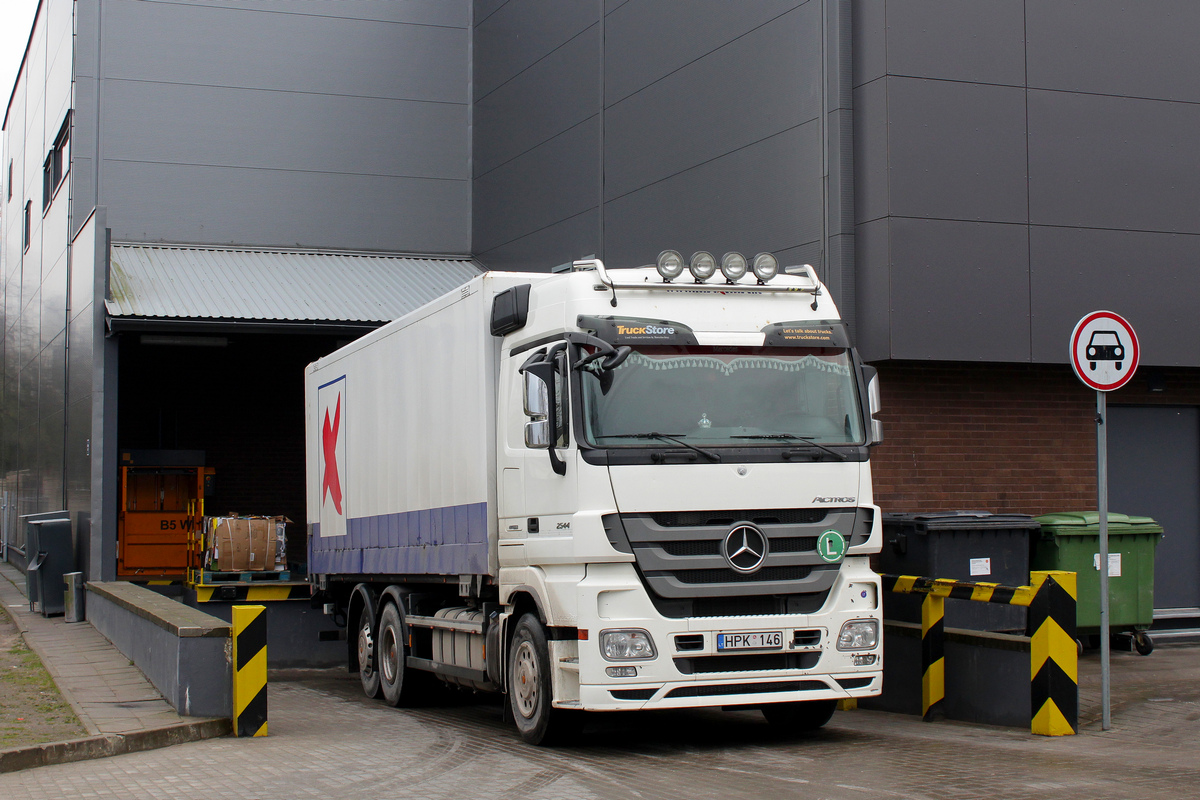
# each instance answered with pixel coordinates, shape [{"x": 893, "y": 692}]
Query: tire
[
  {"x": 789, "y": 718},
  {"x": 369, "y": 676},
  {"x": 401, "y": 686},
  {"x": 1143, "y": 643},
  {"x": 530, "y": 688}
]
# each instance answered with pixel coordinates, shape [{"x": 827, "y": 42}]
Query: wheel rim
[
  {"x": 525, "y": 680},
  {"x": 365, "y": 646},
  {"x": 389, "y": 664}
]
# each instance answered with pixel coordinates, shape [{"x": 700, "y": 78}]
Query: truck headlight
[
  {"x": 626, "y": 645},
  {"x": 858, "y": 634}
]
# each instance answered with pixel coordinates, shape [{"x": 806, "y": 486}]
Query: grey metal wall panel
[
  {"x": 160, "y": 202},
  {"x": 764, "y": 82},
  {"x": 447, "y": 13},
  {"x": 482, "y": 9},
  {"x": 206, "y": 45},
  {"x": 953, "y": 40},
  {"x": 1113, "y": 162},
  {"x": 1115, "y": 47},
  {"x": 258, "y": 129},
  {"x": 564, "y": 241},
  {"x": 646, "y": 40},
  {"x": 551, "y": 96},
  {"x": 1149, "y": 278},
  {"x": 870, "y": 151},
  {"x": 872, "y": 266},
  {"x": 959, "y": 290},
  {"x": 50, "y": 459},
  {"x": 522, "y": 32},
  {"x": 763, "y": 197},
  {"x": 869, "y": 49},
  {"x": 554, "y": 181},
  {"x": 956, "y": 150}
]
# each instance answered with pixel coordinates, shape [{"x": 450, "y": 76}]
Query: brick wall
[{"x": 1006, "y": 438}]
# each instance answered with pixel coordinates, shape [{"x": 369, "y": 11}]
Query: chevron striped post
[
  {"x": 1054, "y": 657},
  {"x": 249, "y": 670},
  {"x": 933, "y": 661}
]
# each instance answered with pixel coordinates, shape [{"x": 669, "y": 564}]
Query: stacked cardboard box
[{"x": 245, "y": 544}]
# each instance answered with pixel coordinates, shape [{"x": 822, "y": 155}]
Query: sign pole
[
  {"x": 1104, "y": 354},
  {"x": 1102, "y": 498}
]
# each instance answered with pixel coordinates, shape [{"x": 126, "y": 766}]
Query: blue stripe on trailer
[{"x": 448, "y": 540}]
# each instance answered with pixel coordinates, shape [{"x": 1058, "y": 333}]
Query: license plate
[{"x": 759, "y": 640}]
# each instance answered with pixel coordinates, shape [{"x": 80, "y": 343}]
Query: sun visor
[
  {"x": 634, "y": 331},
  {"x": 806, "y": 334}
]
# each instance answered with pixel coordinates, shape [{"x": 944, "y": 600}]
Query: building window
[
  {"x": 25, "y": 238},
  {"x": 57, "y": 163},
  {"x": 10, "y": 179}
]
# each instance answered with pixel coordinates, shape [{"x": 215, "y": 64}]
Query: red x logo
[{"x": 331, "y": 483}]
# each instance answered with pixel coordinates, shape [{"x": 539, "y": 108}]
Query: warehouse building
[{"x": 201, "y": 196}]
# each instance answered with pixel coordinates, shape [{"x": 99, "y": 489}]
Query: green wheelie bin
[{"x": 1070, "y": 541}]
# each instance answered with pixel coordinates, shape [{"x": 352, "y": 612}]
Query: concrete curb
[{"x": 111, "y": 744}]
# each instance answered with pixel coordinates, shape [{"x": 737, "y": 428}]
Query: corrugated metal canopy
[{"x": 201, "y": 283}]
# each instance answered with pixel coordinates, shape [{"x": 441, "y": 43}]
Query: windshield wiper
[
  {"x": 665, "y": 437},
  {"x": 792, "y": 437}
]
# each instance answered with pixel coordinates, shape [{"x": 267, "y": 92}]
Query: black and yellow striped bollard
[
  {"x": 250, "y": 670},
  {"x": 1054, "y": 654}
]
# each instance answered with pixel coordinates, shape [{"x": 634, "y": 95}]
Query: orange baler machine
[{"x": 160, "y": 508}]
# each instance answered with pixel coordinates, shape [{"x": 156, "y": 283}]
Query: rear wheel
[
  {"x": 529, "y": 688},
  {"x": 1142, "y": 643},
  {"x": 368, "y": 660},
  {"x": 799, "y": 717},
  {"x": 401, "y": 685}
]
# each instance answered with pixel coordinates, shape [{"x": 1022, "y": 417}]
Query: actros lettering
[{"x": 847, "y": 500}]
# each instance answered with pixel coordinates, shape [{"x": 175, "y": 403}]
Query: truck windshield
[{"x": 743, "y": 396}]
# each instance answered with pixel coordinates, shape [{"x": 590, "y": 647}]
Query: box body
[{"x": 401, "y": 439}]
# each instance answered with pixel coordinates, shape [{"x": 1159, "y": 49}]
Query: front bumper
[{"x": 690, "y": 671}]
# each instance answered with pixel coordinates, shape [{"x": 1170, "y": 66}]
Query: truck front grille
[
  {"x": 774, "y": 516},
  {"x": 679, "y": 556}
]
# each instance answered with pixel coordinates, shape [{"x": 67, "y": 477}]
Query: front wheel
[
  {"x": 529, "y": 688},
  {"x": 1142, "y": 643},
  {"x": 790, "y": 718}
]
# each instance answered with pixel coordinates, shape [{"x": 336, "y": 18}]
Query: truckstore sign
[
  {"x": 331, "y": 470},
  {"x": 1104, "y": 351}
]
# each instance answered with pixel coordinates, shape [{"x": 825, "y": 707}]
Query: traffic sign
[{"x": 1104, "y": 351}]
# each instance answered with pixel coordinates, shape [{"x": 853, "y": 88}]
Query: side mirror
[
  {"x": 537, "y": 396},
  {"x": 871, "y": 376},
  {"x": 541, "y": 406},
  {"x": 537, "y": 434}
]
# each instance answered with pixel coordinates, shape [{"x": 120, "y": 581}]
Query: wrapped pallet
[{"x": 245, "y": 544}]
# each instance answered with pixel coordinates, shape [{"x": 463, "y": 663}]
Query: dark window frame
[
  {"x": 57, "y": 164},
  {"x": 27, "y": 230}
]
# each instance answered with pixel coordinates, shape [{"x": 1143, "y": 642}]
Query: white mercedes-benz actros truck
[{"x": 604, "y": 490}]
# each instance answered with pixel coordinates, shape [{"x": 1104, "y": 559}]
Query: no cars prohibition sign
[{"x": 1104, "y": 351}]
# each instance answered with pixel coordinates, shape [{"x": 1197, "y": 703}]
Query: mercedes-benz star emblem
[{"x": 745, "y": 548}]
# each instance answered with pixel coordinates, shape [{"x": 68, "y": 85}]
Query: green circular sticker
[{"x": 831, "y": 546}]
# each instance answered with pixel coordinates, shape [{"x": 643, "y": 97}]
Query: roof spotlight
[
  {"x": 733, "y": 266},
  {"x": 765, "y": 267},
  {"x": 669, "y": 265},
  {"x": 702, "y": 266}
]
